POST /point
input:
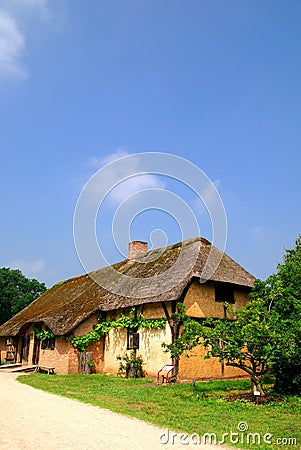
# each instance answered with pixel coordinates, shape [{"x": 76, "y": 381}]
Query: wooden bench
[{"x": 45, "y": 369}]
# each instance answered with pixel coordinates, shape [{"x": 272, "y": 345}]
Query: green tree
[
  {"x": 16, "y": 292},
  {"x": 245, "y": 342},
  {"x": 265, "y": 334},
  {"x": 282, "y": 291}
]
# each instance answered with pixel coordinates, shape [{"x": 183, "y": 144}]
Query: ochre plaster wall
[
  {"x": 196, "y": 367},
  {"x": 153, "y": 310},
  {"x": 151, "y": 349},
  {"x": 200, "y": 301},
  {"x": 115, "y": 344}
]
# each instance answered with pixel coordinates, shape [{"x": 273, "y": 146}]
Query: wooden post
[{"x": 175, "y": 331}]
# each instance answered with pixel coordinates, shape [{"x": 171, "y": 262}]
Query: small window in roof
[{"x": 224, "y": 293}]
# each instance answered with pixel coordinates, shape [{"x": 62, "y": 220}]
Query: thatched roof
[{"x": 158, "y": 275}]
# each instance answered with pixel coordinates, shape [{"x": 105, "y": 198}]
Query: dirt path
[{"x": 32, "y": 419}]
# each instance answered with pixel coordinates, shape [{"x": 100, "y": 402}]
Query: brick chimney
[{"x": 136, "y": 248}]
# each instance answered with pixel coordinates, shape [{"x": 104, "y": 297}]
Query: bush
[
  {"x": 288, "y": 378},
  {"x": 131, "y": 366}
]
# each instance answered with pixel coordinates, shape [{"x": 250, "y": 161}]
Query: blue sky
[{"x": 217, "y": 83}]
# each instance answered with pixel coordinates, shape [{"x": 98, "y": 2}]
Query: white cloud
[
  {"x": 12, "y": 45},
  {"x": 127, "y": 186},
  {"x": 29, "y": 269},
  {"x": 135, "y": 184},
  {"x": 97, "y": 163},
  {"x": 19, "y": 19}
]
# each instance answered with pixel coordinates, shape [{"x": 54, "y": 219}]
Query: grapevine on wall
[{"x": 132, "y": 320}]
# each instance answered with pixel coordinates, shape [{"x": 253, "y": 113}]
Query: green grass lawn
[{"x": 200, "y": 409}]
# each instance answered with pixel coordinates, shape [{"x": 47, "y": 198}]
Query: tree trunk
[
  {"x": 131, "y": 372},
  {"x": 257, "y": 386},
  {"x": 175, "y": 332},
  {"x": 84, "y": 360},
  {"x": 255, "y": 380}
]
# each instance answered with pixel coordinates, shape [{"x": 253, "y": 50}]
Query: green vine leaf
[{"x": 43, "y": 334}]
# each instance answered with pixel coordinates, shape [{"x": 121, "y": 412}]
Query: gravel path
[{"x": 33, "y": 419}]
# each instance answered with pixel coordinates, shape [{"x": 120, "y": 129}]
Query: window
[
  {"x": 132, "y": 339},
  {"x": 224, "y": 293},
  {"x": 48, "y": 344}
]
